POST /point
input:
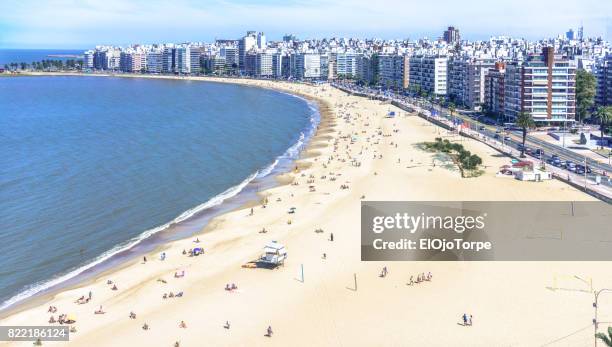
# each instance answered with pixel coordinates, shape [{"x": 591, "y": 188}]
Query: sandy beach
[{"x": 510, "y": 302}]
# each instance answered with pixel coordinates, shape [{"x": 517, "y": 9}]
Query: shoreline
[
  {"x": 322, "y": 308},
  {"x": 119, "y": 261}
]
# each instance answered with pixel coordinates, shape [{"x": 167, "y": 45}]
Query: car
[
  {"x": 580, "y": 167},
  {"x": 570, "y": 165},
  {"x": 556, "y": 161},
  {"x": 528, "y": 151},
  {"x": 520, "y": 147},
  {"x": 481, "y": 127},
  {"x": 507, "y": 138},
  {"x": 538, "y": 153},
  {"x": 496, "y": 136}
]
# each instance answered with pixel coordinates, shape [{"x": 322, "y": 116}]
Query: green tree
[
  {"x": 525, "y": 121},
  {"x": 607, "y": 340},
  {"x": 585, "y": 93},
  {"x": 604, "y": 117}
]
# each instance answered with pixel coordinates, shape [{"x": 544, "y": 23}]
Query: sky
[{"x": 86, "y": 23}]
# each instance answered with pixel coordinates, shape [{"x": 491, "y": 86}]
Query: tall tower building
[{"x": 451, "y": 35}]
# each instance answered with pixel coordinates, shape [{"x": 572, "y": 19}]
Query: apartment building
[
  {"x": 543, "y": 85},
  {"x": 263, "y": 65},
  {"x": 466, "y": 80},
  {"x": 308, "y": 66},
  {"x": 155, "y": 61},
  {"x": 393, "y": 71},
  {"x": 603, "y": 73},
  {"x": 428, "y": 73},
  {"x": 495, "y": 89}
]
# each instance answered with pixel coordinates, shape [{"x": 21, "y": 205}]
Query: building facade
[{"x": 544, "y": 85}]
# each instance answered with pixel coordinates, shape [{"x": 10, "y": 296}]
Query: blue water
[
  {"x": 90, "y": 166},
  {"x": 29, "y": 56}
]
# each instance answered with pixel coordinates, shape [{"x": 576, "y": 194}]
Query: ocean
[
  {"x": 29, "y": 56},
  {"x": 98, "y": 170}
]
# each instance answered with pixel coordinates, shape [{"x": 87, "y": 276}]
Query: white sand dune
[{"x": 509, "y": 301}]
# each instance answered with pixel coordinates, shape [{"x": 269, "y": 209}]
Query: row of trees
[{"x": 46, "y": 65}]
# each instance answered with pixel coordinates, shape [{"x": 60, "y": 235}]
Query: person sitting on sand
[
  {"x": 165, "y": 296},
  {"x": 145, "y": 326},
  {"x": 132, "y": 315},
  {"x": 269, "y": 332},
  {"x": 234, "y": 286},
  {"x": 114, "y": 287},
  {"x": 184, "y": 252},
  {"x": 429, "y": 276},
  {"x": 411, "y": 281},
  {"x": 99, "y": 311},
  {"x": 182, "y": 325},
  {"x": 227, "y": 325},
  {"x": 227, "y": 287},
  {"x": 197, "y": 240},
  {"x": 52, "y": 320},
  {"x": 177, "y": 344},
  {"x": 109, "y": 282}
]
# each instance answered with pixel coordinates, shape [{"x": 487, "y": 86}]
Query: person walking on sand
[
  {"x": 465, "y": 319},
  {"x": 89, "y": 295},
  {"x": 144, "y": 259},
  {"x": 331, "y": 237},
  {"x": 470, "y": 321}
]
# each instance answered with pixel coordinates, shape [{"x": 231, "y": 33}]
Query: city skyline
[{"x": 81, "y": 24}]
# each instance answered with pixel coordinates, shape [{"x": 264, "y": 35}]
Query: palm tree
[
  {"x": 607, "y": 340},
  {"x": 604, "y": 115},
  {"x": 525, "y": 121}
]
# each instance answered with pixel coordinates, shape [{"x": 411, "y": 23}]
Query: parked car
[
  {"x": 570, "y": 165},
  {"x": 579, "y": 169},
  {"x": 528, "y": 151}
]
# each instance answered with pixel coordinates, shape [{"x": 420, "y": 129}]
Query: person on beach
[
  {"x": 465, "y": 319},
  {"x": 251, "y": 211},
  {"x": 227, "y": 325},
  {"x": 470, "y": 321},
  {"x": 182, "y": 325},
  {"x": 145, "y": 326},
  {"x": 411, "y": 281},
  {"x": 269, "y": 331},
  {"x": 144, "y": 259},
  {"x": 331, "y": 237}
]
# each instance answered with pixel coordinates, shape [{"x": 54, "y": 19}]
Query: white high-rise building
[
  {"x": 308, "y": 66},
  {"x": 428, "y": 73},
  {"x": 261, "y": 41},
  {"x": 246, "y": 44},
  {"x": 88, "y": 59}
]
